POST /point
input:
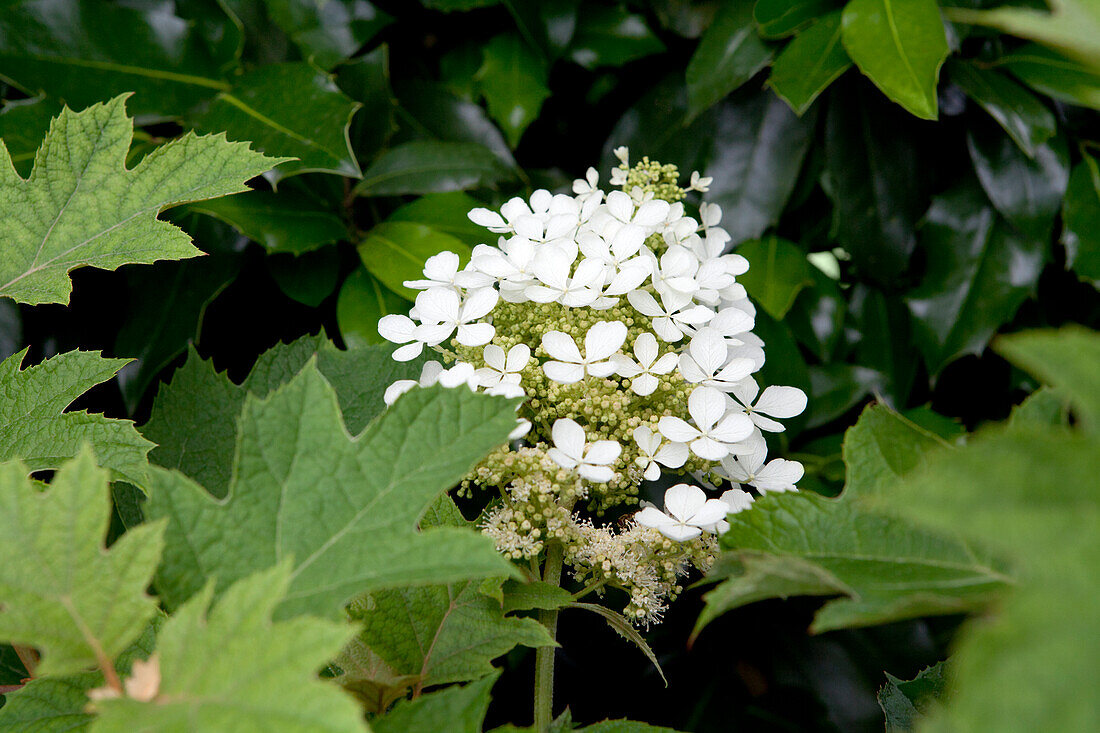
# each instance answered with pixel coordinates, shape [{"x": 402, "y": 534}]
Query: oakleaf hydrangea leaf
[
  {"x": 344, "y": 508},
  {"x": 78, "y": 603},
  {"x": 81, "y": 206},
  {"x": 34, "y": 428},
  {"x": 231, "y": 668},
  {"x": 442, "y": 633}
]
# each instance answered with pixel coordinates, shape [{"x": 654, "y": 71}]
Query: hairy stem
[{"x": 544, "y": 656}]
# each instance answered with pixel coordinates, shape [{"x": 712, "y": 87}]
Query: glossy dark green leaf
[
  {"x": 785, "y": 364},
  {"x": 1055, "y": 75},
  {"x": 609, "y": 35},
  {"x": 1026, "y": 191},
  {"x": 837, "y": 388},
  {"x": 758, "y": 148},
  {"x": 903, "y": 702},
  {"x": 778, "y": 271},
  {"x": 429, "y": 111},
  {"x": 810, "y": 63},
  {"x": 309, "y": 277},
  {"x": 85, "y": 51},
  {"x": 883, "y": 333},
  {"x": 366, "y": 79},
  {"x": 1018, "y": 111},
  {"x": 168, "y": 300},
  {"x": 781, "y": 18},
  {"x": 312, "y": 129},
  {"x": 728, "y": 55},
  {"x": 978, "y": 273},
  {"x": 362, "y": 301},
  {"x": 1081, "y": 219},
  {"x": 287, "y": 221},
  {"x": 447, "y": 213},
  {"x": 817, "y": 317},
  {"x": 551, "y": 24},
  {"x": 874, "y": 180},
  {"x": 395, "y": 252},
  {"x": 328, "y": 31},
  {"x": 900, "y": 45},
  {"x": 657, "y": 124},
  {"x": 450, "y": 6},
  {"x": 428, "y": 166},
  {"x": 23, "y": 125},
  {"x": 512, "y": 78}
]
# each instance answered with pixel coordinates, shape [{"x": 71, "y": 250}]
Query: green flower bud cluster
[{"x": 662, "y": 180}]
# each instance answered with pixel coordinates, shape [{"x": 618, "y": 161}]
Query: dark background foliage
[{"x": 887, "y": 249}]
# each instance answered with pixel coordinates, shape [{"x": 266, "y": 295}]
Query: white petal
[
  {"x": 442, "y": 266},
  {"x": 732, "y": 321},
  {"x": 487, "y": 218},
  {"x": 690, "y": 371},
  {"x": 563, "y": 373},
  {"x": 561, "y": 346},
  {"x": 429, "y": 373},
  {"x": 437, "y": 305},
  {"x": 625, "y": 366},
  {"x": 398, "y": 388},
  {"x": 666, "y": 329},
  {"x": 488, "y": 377},
  {"x": 736, "y": 370},
  {"x": 601, "y": 369},
  {"x": 779, "y": 475},
  {"x": 396, "y": 328},
  {"x": 603, "y": 452},
  {"x": 644, "y": 384},
  {"x": 653, "y": 518},
  {"x": 629, "y": 277},
  {"x": 707, "y": 406},
  {"x": 620, "y": 205},
  {"x": 518, "y": 356},
  {"x": 644, "y": 303},
  {"x": 475, "y": 334},
  {"x": 737, "y": 500},
  {"x": 781, "y": 402},
  {"x": 596, "y": 474},
  {"x": 435, "y": 333},
  {"x": 568, "y": 437},
  {"x": 708, "y": 349},
  {"x": 652, "y": 471},
  {"x": 665, "y": 364},
  {"x": 672, "y": 455},
  {"x": 494, "y": 357},
  {"x": 541, "y": 293},
  {"x": 680, "y": 532},
  {"x": 561, "y": 458},
  {"x": 646, "y": 439},
  {"x": 645, "y": 348},
  {"x": 708, "y": 449},
  {"x": 710, "y": 513},
  {"x": 408, "y": 352},
  {"x": 695, "y": 316},
  {"x": 733, "y": 426},
  {"x": 677, "y": 430},
  {"x": 522, "y": 428},
  {"x": 588, "y": 273},
  {"x": 651, "y": 213},
  {"x": 479, "y": 303},
  {"x": 604, "y": 339},
  {"x": 766, "y": 423},
  {"x": 683, "y": 500}
]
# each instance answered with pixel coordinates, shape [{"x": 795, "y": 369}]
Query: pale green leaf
[
  {"x": 781, "y": 18},
  {"x": 883, "y": 446},
  {"x": 81, "y": 206},
  {"x": 519, "y": 596},
  {"x": 457, "y": 709},
  {"x": 344, "y": 508},
  {"x": 231, "y": 668},
  {"x": 900, "y": 45},
  {"x": 396, "y": 251},
  {"x": 64, "y": 593},
  {"x": 35, "y": 429}
]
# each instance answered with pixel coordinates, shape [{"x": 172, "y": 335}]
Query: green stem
[{"x": 544, "y": 656}]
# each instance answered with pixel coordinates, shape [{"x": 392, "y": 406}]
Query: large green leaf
[
  {"x": 314, "y": 129},
  {"x": 328, "y": 31},
  {"x": 344, "y": 508},
  {"x": 287, "y": 221},
  {"x": 456, "y": 709},
  {"x": 395, "y": 252},
  {"x": 1055, "y": 75},
  {"x": 780, "y": 18},
  {"x": 874, "y": 181},
  {"x": 1018, "y": 111},
  {"x": 232, "y": 668},
  {"x": 81, "y": 206},
  {"x": 809, "y": 63},
  {"x": 366, "y": 79},
  {"x": 429, "y": 166},
  {"x": 979, "y": 272},
  {"x": 778, "y": 270},
  {"x": 758, "y": 149},
  {"x": 1026, "y": 191},
  {"x": 23, "y": 124},
  {"x": 35, "y": 429},
  {"x": 883, "y": 568},
  {"x": 899, "y": 45},
  {"x": 611, "y": 36},
  {"x": 194, "y": 417},
  {"x": 1081, "y": 219},
  {"x": 728, "y": 55},
  {"x": 82, "y": 51},
  {"x": 64, "y": 593},
  {"x": 446, "y": 213},
  {"x": 512, "y": 79},
  {"x": 440, "y": 633},
  {"x": 431, "y": 111}
]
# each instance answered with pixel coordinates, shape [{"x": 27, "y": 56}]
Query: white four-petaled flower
[
  {"x": 591, "y": 460},
  {"x": 716, "y": 430},
  {"x": 601, "y": 341},
  {"x": 442, "y": 311},
  {"x": 782, "y": 402},
  {"x": 706, "y": 361},
  {"x": 501, "y": 368},
  {"x": 778, "y": 474},
  {"x": 641, "y": 372},
  {"x": 653, "y": 450},
  {"x": 688, "y": 513}
]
